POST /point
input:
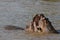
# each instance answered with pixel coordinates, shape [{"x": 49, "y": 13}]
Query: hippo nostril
[{"x": 39, "y": 29}]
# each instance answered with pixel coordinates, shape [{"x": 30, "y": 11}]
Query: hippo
[
  {"x": 42, "y": 24},
  {"x": 39, "y": 24}
]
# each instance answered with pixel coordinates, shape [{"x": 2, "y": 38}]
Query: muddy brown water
[{"x": 19, "y": 12}]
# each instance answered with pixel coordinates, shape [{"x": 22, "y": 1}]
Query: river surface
[{"x": 19, "y": 12}]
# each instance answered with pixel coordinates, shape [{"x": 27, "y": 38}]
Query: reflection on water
[{"x": 18, "y": 12}]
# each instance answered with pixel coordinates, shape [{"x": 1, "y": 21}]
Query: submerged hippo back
[
  {"x": 50, "y": 27},
  {"x": 11, "y": 27}
]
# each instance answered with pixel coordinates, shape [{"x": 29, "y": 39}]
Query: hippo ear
[
  {"x": 35, "y": 16},
  {"x": 42, "y": 15}
]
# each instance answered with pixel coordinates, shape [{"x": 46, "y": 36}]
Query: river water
[{"x": 19, "y": 12}]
